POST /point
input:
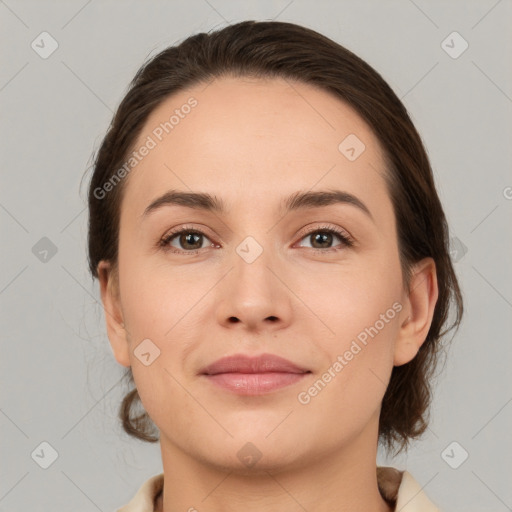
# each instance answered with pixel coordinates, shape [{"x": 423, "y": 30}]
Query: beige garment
[{"x": 394, "y": 485}]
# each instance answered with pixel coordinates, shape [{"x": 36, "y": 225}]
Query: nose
[{"x": 253, "y": 296}]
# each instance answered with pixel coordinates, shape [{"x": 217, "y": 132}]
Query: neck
[{"x": 342, "y": 480}]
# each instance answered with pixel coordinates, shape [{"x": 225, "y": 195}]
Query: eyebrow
[{"x": 297, "y": 201}]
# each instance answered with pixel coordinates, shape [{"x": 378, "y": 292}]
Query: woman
[{"x": 274, "y": 267}]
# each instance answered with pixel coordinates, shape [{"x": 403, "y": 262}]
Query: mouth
[{"x": 246, "y": 375}]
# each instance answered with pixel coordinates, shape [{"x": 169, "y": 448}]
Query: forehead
[{"x": 251, "y": 137}]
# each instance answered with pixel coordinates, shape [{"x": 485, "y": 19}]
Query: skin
[{"x": 252, "y": 142}]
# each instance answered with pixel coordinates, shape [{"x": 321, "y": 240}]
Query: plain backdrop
[{"x": 60, "y": 384}]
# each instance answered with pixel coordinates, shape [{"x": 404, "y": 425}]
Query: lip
[{"x": 246, "y": 375}]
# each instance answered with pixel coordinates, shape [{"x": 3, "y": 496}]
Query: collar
[{"x": 397, "y": 487}]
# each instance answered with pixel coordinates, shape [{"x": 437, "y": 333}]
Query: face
[{"x": 316, "y": 283}]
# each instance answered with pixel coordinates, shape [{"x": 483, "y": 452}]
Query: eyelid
[
  {"x": 187, "y": 228},
  {"x": 345, "y": 237}
]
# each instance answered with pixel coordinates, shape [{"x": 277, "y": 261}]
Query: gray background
[{"x": 60, "y": 382}]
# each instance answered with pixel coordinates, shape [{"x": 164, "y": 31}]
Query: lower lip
[{"x": 255, "y": 383}]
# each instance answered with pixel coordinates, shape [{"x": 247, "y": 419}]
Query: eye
[
  {"x": 185, "y": 240},
  {"x": 191, "y": 240},
  {"x": 321, "y": 239}
]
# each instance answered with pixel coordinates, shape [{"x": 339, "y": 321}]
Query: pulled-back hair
[{"x": 296, "y": 53}]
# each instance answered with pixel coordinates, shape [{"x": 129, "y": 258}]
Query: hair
[{"x": 285, "y": 50}]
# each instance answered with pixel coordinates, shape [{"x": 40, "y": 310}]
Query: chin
[
  {"x": 248, "y": 460},
  {"x": 250, "y": 452}
]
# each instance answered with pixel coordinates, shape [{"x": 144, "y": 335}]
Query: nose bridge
[
  {"x": 252, "y": 294},
  {"x": 252, "y": 262}
]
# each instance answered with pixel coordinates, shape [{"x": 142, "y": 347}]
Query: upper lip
[{"x": 241, "y": 363}]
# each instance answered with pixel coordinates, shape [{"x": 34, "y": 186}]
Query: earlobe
[
  {"x": 418, "y": 311},
  {"x": 116, "y": 331}
]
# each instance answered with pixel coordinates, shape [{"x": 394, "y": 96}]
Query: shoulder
[
  {"x": 400, "y": 488},
  {"x": 144, "y": 499}
]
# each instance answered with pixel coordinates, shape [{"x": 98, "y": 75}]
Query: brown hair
[{"x": 286, "y": 50}]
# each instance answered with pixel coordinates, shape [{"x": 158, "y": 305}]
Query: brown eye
[
  {"x": 319, "y": 240},
  {"x": 190, "y": 241},
  {"x": 185, "y": 240},
  {"x": 324, "y": 238}
]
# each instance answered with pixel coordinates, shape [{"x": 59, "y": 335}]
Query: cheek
[
  {"x": 160, "y": 305},
  {"x": 340, "y": 313},
  {"x": 348, "y": 390},
  {"x": 357, "y": 312},
  {"x": 157, "y": 298},
  {"x": 346, "y": 299}
]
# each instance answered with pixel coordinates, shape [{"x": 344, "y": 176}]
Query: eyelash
[{"x": 342, "y": 235}]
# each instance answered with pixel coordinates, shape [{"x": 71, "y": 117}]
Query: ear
[
  {"x": 116, "y": 331},
  {"x": 416, "y": 316}
]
